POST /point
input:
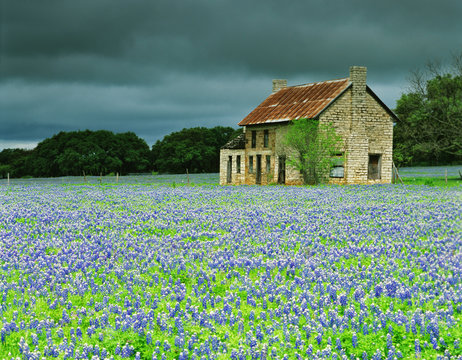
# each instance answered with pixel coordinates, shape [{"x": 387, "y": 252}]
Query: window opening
[
  {"x": 338, "y": 167},
  {"x": 229, "y": 170},
  {"x": 265, "y": 138}
]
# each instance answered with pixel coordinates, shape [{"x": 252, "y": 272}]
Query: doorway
[
  {"x": 282, "y": 170},
  {"x": 373, "y": 171}
]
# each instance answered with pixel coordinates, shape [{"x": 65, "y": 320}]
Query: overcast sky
[{"x": 153, "y": 67}]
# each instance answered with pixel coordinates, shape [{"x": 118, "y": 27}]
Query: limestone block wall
[
  {"x": 366, "y": 129},
  {"x": 379, "y": 131},
  {"x": 236, "y": 178},
  {"x": 339, "y": 115},
  {"x": 267, "y": 177},
  {"x": 357, "y": 158}
]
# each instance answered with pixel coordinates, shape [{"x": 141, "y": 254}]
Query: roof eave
[{"x": 269, "y": 122}]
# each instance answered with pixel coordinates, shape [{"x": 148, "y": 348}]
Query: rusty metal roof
[{"x": 296, "y": 102}]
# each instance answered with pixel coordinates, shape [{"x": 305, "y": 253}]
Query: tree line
[
  {"x": 429, "y": 130},
  {"x": 102, "y": 152}
]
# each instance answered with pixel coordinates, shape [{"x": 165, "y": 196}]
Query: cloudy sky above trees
[{"x": 157, "y": 66}]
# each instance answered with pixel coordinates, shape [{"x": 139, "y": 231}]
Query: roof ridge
[{"x": 319, "y": 82}]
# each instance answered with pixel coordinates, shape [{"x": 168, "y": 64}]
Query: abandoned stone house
[{"x": 363, "y": 121}]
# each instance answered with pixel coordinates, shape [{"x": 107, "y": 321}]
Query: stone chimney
[
  {"x": 358, "y": 78},
  {"x": 358, "y": 97},
  {"x": 279, "y": 84},
  {"x": 357, "y": 143}
]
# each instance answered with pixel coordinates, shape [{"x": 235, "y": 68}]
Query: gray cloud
[{"x": 153, "y": 67}]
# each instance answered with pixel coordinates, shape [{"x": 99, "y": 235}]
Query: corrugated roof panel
[{"x": 295, "y": 102}]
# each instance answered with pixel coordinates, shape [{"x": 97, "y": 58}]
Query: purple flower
[
  {"x": 417, "y": 347},
  {"x": 338, "y": 344},
  {"x": 319, "y": 338},
  {"x": 354, "y": 340}
]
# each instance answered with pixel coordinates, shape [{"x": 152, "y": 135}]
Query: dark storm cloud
[{"x": 153, "y": 67}]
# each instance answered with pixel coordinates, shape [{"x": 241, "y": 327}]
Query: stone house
[{"x": 363, "y": 121}]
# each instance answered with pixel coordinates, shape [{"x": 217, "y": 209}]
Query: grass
[{"x": 433, "y": 181}]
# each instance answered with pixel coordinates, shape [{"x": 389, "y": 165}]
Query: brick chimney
[{"x": 279, "y": 84}]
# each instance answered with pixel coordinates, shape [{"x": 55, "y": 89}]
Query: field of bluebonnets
[{"x": 152, "y": 271}]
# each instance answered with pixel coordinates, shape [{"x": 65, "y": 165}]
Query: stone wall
[
  {"x": 339, "y": 115},
  {"x": 236, "y": 178},
  {"x": 366, "y": 128},
  {"x": 379, "y": 131},
  {"x": 267, "y": 177}
]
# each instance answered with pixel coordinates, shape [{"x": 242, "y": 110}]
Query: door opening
[
  {"x": 373, "y": 171},
  {"x": 282, "y": 170}
]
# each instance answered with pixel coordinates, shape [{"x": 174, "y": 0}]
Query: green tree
[
  {"x": 310, "y": 146},
  {"x": 430, "y": 126},
  {"x": 196, "y": 149},
  {"x": 92, "y": 152},
  {"x": 133, "y": 152},
  {"x": 4, "y": 170},
  {"x": 15, "y": 162}
]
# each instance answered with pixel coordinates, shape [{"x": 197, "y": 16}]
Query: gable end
[{"x": 382, "y": 104}]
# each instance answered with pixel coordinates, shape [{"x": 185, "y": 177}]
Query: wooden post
[
  {"x": 446, "y": 176},
  {"x": 117, "y": 178},
  {"x": 84, "y": 177},
  {"x": 100, "y": 177},
  {"x": 187, "y": 173},
  {"x": 8, "y": 176},
  {"x": 397, "y": 173}
]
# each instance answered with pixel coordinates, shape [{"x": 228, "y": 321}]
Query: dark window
[
  {"x": 258, "y": 176},
  {"x": 238, "y": 164},
  {"x": 373, "y": 171},
  {"x": 254, "y": 138},
  {"x": 265, "y": 138},
  {"x": 338, "y": 169},
  {"x": 251, "y": 164},
  {"x": 229, "y": 170},
  {"x": 268, "y": 164}
]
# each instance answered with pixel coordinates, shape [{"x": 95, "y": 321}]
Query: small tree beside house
[{"x": 313, "y": 149}]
